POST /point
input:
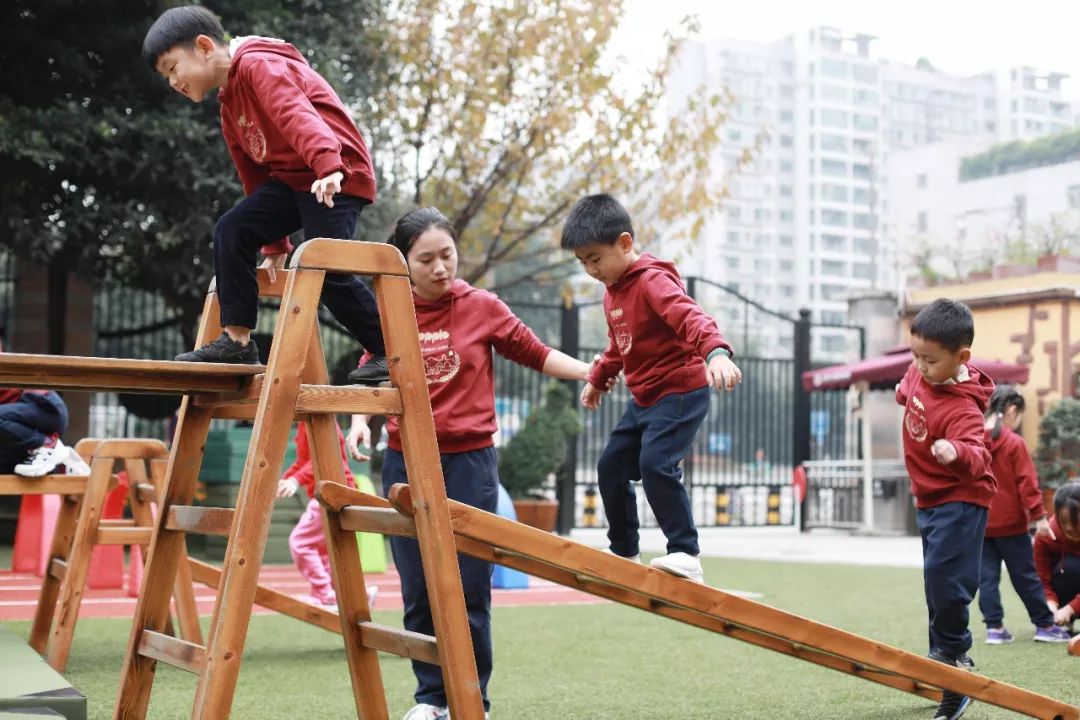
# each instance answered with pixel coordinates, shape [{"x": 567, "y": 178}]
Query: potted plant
[
  {"x": 1057, "y": 459},
  {"x": 535, "y": 452}
]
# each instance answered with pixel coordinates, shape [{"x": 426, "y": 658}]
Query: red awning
[{"x": 883, "y": 372}]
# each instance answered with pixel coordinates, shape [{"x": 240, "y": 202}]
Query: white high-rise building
[{"x": 803, "y": 224}]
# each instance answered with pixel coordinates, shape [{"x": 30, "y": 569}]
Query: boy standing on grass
[
  {"x": 945, "y": 400},
  {"x": 302, "y": 162},
  {"x": 671, "y": 353}
]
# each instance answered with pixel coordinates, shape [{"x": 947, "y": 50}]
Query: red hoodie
[
  {"x": 457, "y": 334},
  {"x": 302, "y": 469},
  {"x": 954, "y": 412},
  {"x": 1049, "y": 555},
  {"x": 1018, "y": 501},
  {"x": 282, "y": 120},
  {"x": 657, "y": 334}
]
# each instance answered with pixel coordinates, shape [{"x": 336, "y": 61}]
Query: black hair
[
  {"x": 180, "y": 26},
  {"x": 946, "y": 322},
  {"x": 415, "y": 223},
  {"x": 1004, "y": 397},
  {"x": 595, "y": 220},
  {"x": 1067, "y": 502}
]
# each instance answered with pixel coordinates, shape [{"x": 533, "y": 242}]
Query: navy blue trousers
[
  {"x": 952, "y": 540},
  {"x": 27, "y": 423},
  {"x": 471, "y": 478},
  {"x": 1015, "y": 551},
  {"x": 271, "y": 212},
  {"x": 649, "y": 444},
  {"x": 1066, "y": 579}
]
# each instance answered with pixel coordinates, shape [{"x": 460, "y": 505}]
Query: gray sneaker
[{"x": 223, "y": 350}]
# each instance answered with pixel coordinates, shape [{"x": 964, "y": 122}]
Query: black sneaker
[
  {"x": 373, "y": 372},
  {"x": 953, "y": 704},
  {"x": 224, "y": 350}
]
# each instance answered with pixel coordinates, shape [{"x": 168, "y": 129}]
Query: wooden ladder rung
[
  {"x": 123, "y": 536},
  {"x": 386, "y": 521},
  {"x": 116, "y": 522},
  {"x": 395, "y": 641},
  {"x": 201, "y": 520},
  {"x": 58, "y": 568},
  {"x": 318, "y": 399},
  {"x": 172, "y": 651}
]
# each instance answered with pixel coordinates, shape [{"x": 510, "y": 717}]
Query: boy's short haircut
[
  {"x": 595, "y": 220},
  {"x": 947, "y": 322},
  {"x": 180, "y": 26}
]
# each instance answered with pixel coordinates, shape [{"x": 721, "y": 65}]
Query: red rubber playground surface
[{"x": 19, "y": 592}]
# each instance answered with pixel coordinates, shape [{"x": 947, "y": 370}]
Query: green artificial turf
[{"x": 607, "y": 661}]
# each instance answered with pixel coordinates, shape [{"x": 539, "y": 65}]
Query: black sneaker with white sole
[
  {"x": 953, "y": 704},
  {"x": 223, "y": 350},
  {"x": 374, "y": 372}
]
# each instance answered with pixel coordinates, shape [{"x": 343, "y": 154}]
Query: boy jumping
[
  {"x": 672, "y": 353},
  {"x": 301, "y": 160},
  {"x": 945, "y": 400}
]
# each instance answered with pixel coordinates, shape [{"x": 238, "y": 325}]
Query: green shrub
[
  {"x": 539, "y": 447},
  {"x": 1057, "y": 459}
]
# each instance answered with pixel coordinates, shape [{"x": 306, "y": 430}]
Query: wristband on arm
[{"x": 718, "y": 351}]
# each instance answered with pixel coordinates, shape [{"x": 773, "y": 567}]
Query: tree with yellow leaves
[{"x": 502, "y": 114}]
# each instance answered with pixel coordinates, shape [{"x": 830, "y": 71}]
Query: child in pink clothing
[{"x": 307, "y": 541}]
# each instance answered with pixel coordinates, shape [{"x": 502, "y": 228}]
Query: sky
[{"x": 959, "y": 37}]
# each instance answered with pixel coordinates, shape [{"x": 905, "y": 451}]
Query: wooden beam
[
  {"x": 403, "y": 643},
  {"x": 271, "y": 599},
  {"x": 201, "y": 520},
  {"x": 122, "y": 374},
  {"x": 385, "y": 521},
  {"x": 46, "y": 485},
  {"x": 341, "y": 256},
  {"x": 321, "y": 399},
  {"x": 145, "y": 492},
  {"x": 172, "y": 651},
  {"x": 869, "y": 656},
  {"x": 123, "y": 536}
]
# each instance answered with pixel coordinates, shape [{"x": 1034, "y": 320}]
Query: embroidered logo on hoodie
[
  {"x": 254, "y": 138},
  {"x": 624, "y": 340},
  {"x": 915, "y": 421},
  {"x": 441, "y": 363}
]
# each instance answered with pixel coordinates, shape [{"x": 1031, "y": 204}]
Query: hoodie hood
[
  {"x": 645, "y": 264},
  {"x": 458, "y": 289},
  {"x": 255, "y": 43},
  {"x": 977, "y": 387}
]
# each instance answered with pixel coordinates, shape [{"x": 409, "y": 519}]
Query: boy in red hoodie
[
  {"x": 671, "y": 353},
  {"x": 1017, "y": 505},
  {"x": 945, "y": 400},
  {"x": 1057, "y": 556},
  {"x": 301, "y": 160}
]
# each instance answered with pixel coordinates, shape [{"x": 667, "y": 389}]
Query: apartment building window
[
  {"x": 920, "y": 180},
  {"x": 734, "y": 135},
  {"x": 834, "y": 343},
  {"x": 834, "y": 118},
  {"x": 833, "y": 317},
  {"x": 785, "y": 191},
  {"x": 864, "y": 147},
  {"x": 733, "y": 213},
  {"x": 864, "y": 246},
  {"x": 786, "y": 141},
  {"x": 1073, "y": 195},
  {"x": 786, "y": 266},
  {"x": 861, "y": 171},
  {"x": 732, "y": 238},
  {"x": 787, "y": 117},
  {"x": 834, "y": 218},
  {"x": 867, "y": 123},
  {"x": 732, "y": 262},
  {"x": 836, "y": 143},
  {"x": 762, "y": 265},
  {"x": 786, "y": 240},
  {"x": 834, "y": 268},
  {"x": 787, "y": 91},
  {"x": 762, "y": 215},
  {"x": 762, "y": 240},
  {"x": 860, "y": 196},
  {"x": 834, "y": 243},
  {"x": 863, "y": 221},
  {"x": 863, "y": 271},
  {"x": 834, "y": 168},
  {"x": 787, "y": 290},
  {"x": 922, "y": 224},
  {"x": 787, "y": 166},
  {"x": 833, "y": 292},
  {"x": 834, "y": 193},
  {"x": 866, "y": 97},
  {"x": 786, "y": 216},
  {"x": 832, "y": 67}
]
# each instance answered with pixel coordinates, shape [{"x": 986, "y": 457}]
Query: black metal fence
[{"x": 7, "y": 295}]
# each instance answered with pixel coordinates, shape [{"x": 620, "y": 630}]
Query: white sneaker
[
  {"x": 43, "y": 460},
  {"x": 681, "y": 564},
  {"x": 74, "y": 464},
  {"x": 423, "y": 711},
  {"x": 633, "y": 558},
  {"x": 372, "y": 593}
]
